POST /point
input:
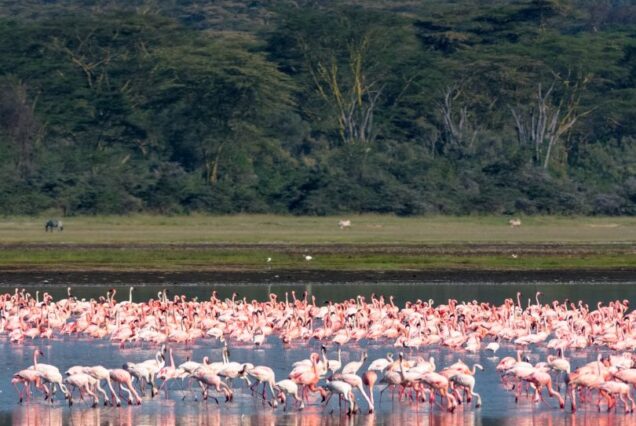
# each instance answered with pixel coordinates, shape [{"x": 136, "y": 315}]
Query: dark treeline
[{"x": 318, "y": 107}]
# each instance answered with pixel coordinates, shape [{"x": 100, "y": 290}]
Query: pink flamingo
[
  {"x": 308, "y": 377},
  {"x": 208, "y": 380},
  {"x": 28, "y": 377},
  {"x": 288, "y": 387},
  {"x": 124, "y": 379},
  {"x": 85, "y": 383},
  {"x": 264, "y": 375},
  {"x": 612, "y": 388},
  {"x": 49, "y": 373},
  {"x": 369, "y": 378},
  {"x": 541, "y": 379}
]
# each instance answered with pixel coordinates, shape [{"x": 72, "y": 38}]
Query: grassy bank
[
  {"x": 374, "y": 243},
  {"x": 365, "y": 229},
  {"x": 203, "y": 259}
]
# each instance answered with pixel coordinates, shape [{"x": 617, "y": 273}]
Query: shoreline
[
  {"x": 336, "y": 262},
  {"x": 456, "y": 248},
  {"x": 88, "y": 277}
]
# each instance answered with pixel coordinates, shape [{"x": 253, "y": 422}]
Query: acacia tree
[
  {"x": 351, "y": 93},
  {"x": 215, "y": 97}
]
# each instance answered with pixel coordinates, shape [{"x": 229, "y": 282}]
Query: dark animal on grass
[{"x": 52, "y": 224}]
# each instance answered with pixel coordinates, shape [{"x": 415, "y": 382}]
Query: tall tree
[{"x": 18, "y": 120}]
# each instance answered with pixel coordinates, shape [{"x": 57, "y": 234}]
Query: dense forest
[{"x": 318, "y": 107}]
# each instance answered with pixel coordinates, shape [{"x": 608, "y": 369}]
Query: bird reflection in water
[
  {"x": 37, "y": 415},
  {"x": 583, "y": 418},
  {"x": 169, "y": 414}
]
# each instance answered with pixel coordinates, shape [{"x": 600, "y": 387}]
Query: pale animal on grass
[{"x": 514, "y": 223}]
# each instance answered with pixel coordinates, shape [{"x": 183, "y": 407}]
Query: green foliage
[{"x": 316, "y": 107}]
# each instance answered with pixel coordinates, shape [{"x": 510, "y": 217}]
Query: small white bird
[
  {"x": 492, "y": 346},
  {"x": 514, "y": 256},
  {"x": 269, "y": 259},
  {"x": 308, "y": 258}
]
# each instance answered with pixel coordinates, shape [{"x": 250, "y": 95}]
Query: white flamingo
[
  {"x": 288, "y": 387},
  {"x": 467, "y": 382},
  {"x": 49, "y": 373}
]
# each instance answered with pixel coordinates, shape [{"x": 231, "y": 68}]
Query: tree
[
  {"x": 544, "y": 124},
  {"x": 17, "y": 118},
  {"x": 458, "y": 130},
  {"x": 214, "y": 96},
  {"x": 352, "y": 94}
]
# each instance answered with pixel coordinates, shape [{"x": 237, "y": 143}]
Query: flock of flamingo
[{"x": 467, "y": 327}]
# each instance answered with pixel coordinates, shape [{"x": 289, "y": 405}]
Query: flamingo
[
  {"x": 49, "y": 373},
  {"x": 612, "y": 388},
  {"x": 590, "y": 376},
  {"x": 467, "y": 381},
  {"x": 307, "y": 377},
  {"x": 369, "y": 378},
  {"x": 288, "y": 387},
  {"x": 208, "y": 379},
  {"x": 232, "y": 370},
  {"x": 333, "y": 365},
  {"x": 86, "y": 385},
  {"x": 353, "y": 366},
  {"x": 627, "y": 376},
  {"x": 28, "y": 377},
  {"x": 541, "y": 379},
  {"x": 158, "y": 362},
  {"x": 381, "y": 363},
  {"x": 146, "y": 371},
  {"x": 559, "y": 364},
  {"x": 124, "y": 379},
  {"x": 439, "y": 383},
  {"x": 265, "y": 375},
  {"x": 356, "y": 382},
  {"x": 99, "y": 373},
  {"x": 344, "y": 390},
  {"x": 168, "y": 373},
  {"x": 142, "y": 374}
]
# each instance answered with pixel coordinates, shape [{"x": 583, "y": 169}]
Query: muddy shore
[
  {"x": 338, "y": 248},
  {"x": 25, "y": 278}
]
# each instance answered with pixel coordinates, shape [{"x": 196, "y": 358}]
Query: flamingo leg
[{"x": 19, "y": 392}]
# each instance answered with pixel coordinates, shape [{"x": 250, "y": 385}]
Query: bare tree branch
[
  {"x": 458, "y": 129},
  {"x": 545, "y": 123},
  {"x": 352, "y": 96}
]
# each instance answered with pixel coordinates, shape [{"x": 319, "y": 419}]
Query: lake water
[{"x": 498, "y": 407}]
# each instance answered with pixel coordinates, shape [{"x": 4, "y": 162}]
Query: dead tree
[
  {"x": 458, "y": 131},
  {"x": 545, "y": 123}
]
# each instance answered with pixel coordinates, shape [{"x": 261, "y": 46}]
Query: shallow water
[{"x": 498, "y": 407}]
